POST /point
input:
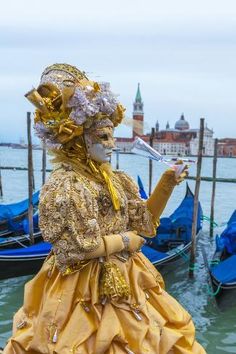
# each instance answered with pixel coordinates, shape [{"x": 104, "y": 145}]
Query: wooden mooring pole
[
  {"x": 44, "y": 163},
  {"x": 33, "y": 180},
  {"x": 117, "y": 159},
  {"x": 196, "y": 195},
  {"x": 1, "y": 190},
  {"x": 150, "y": 161},
  {"x": 213, "y": 189},
  {"x": 30, "y": 180}
]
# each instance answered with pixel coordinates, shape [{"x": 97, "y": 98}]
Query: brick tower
[{"x": 138, "y": 114}]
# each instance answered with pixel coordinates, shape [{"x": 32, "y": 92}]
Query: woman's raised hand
[{"x": 179, "y": 177}]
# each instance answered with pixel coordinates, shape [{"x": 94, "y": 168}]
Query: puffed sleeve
[
  {"x": 68, "y": 218},
  {"x": 140, "y": 218}
]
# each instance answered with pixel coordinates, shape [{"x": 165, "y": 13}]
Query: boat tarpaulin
[
  {"x": 142, "y": 192},
  {"x": 39, "y": 248},
  {"x": 232, "y": 218},
  {"x": 185, "y": 211},
  {"x": 228, "y": 237},
  {"x": 9, "y": 211},
  {"x": 152, "y": 254},
  {"x": 225, "y": 271}
]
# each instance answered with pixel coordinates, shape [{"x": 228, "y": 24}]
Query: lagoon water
[{"x": 216, "y": 329}]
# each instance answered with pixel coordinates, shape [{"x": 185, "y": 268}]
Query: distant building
[
  {"x": 125, "y": 144},
  {"x": 22, "y": 141},
  {"x": 138, "y": 115},
  {"x": 227, "y": 147},
  {"x": 180, "y": 140}
]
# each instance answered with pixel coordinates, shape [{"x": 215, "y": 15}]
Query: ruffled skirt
[{"x": 64, "y": 314}]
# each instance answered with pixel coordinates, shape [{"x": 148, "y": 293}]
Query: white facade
[
  {"x": 170, "y": 148},
  {"x": 208, "y": 143}
]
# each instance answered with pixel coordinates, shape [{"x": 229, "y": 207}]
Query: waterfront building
[
  {"x": 181, "y": 140},
  {"x": 227, "y": 147}
]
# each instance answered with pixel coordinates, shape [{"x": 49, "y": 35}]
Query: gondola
[
  {"x": 20, "y": 241},
  {"x": 23, "y": 261},
  {"x": 223, "y": 264},
  {"x": 171, "y": 244},
  {"x": 16, "y": 228},
  {"x": 18, "y": 236},
  {"x": 14, "y": 213}
]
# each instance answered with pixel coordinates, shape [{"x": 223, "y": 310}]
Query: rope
[
  {"x": 186, "y": 257},
  {"x": 182, "y": 254},
  {"x": 213, "y": 293},
  {"x": 194, "y": 266},
  {"x": 213, "y": 222},
  {"x": 214, "y": 262},
  {"x": 17, "y": 241}
]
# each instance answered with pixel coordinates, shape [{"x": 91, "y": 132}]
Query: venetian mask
[{"x": 100, "y": 142}]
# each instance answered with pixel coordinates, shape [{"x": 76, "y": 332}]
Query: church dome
[{"x": 181, "y": 124}]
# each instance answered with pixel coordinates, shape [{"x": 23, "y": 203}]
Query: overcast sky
[{"x": 183, "y": 53}]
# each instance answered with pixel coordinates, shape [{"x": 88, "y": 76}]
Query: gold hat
[
  {"x": 66, "y": 101},
  {"x": 62, "y": 75}
]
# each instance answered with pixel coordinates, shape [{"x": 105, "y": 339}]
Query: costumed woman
[{"x": 96, "y": 293}]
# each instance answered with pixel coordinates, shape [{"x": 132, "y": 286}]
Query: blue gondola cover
[
  {"x": 153, "y": 255},
  {"x": 142, "y": 192},
  {"x": 39, "y": 248},
  {"x": 225, "y": 271},
  {"x": 8, "y": 211},
  {"x": 227, "y": 239}
]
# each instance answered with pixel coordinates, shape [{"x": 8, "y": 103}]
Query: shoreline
[{"x": 116, "y": 151}]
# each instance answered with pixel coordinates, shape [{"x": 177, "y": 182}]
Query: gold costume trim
[
  {"x": 112, "y": 283},
  {"x": 72, "y": 70}
]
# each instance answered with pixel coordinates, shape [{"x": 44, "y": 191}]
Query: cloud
[
  {"x": 105, "y": 13},
  {"x": 182, "y": 53}
]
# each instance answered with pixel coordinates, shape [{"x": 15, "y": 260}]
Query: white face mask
[
  {"x": 99, "y": 144},
  {"x": 99, "y": 153}
]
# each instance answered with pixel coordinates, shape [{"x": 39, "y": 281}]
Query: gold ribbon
[
  {"x": 106, "y": 174},
  {"x": 112, "y": 190},
  {"x": 68, "y": 131}
]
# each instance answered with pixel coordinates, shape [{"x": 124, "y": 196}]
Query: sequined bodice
[{"x": 76, "y": 211}]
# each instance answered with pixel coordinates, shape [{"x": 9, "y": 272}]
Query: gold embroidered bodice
[{"x": 75, "y": 211}]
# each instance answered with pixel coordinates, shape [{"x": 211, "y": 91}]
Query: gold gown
[{"x": 62, "y": 311}]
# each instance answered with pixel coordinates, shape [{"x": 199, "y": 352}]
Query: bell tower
[{"x": 138, "y": 114}]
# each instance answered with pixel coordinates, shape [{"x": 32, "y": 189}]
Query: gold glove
[
  {"x": 111, "y": 244},
  {"x": 158, "y": 199},
  {"x": 180, "y": 178}
]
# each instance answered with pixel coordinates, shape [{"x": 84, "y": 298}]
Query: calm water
[{"x": 216, "y": 329}]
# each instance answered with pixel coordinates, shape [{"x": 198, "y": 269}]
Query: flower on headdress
[
  {"x": 46, "y": 135},
  {"x": 90, "y": 100},
  {"x": 82, "y": 106},
  {"x": 41, "y": 130}
]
